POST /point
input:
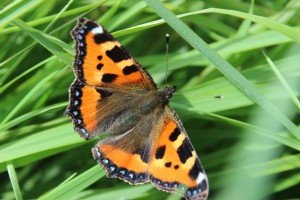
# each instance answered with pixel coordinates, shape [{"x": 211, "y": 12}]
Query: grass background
[{"x": 248, "y": 141}]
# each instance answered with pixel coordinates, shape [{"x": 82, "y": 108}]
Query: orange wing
[
  {"x": 125, "y": 156},
  {"x": 102, "y": 66},
  {"x": 100, "y": 60},
  {"x": 174, "y": 165},
  {"x": 84, "y": 108},
  {"x": 126, "y": 166}
]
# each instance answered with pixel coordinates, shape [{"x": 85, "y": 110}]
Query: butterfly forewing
[
  {"x": 82, "y": 108},
  {"x": 101, "y": 66},
  {"x": 100, "y": 60}
]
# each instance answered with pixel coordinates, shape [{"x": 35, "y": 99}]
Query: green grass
[{"x": 247, "y": 52}]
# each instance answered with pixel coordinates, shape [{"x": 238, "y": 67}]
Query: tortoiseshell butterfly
[{"x": 112, "y": 93}]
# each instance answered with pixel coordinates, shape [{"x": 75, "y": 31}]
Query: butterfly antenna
[
  {"x": 199, "y": 95},
  {"x": 167, "y": 60}
]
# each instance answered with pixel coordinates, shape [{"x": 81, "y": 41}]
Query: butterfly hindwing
[
  {"x": 100, "y": 60},
  {"x": 174, "y": 165},
  {"x": 125, "y": 158}
]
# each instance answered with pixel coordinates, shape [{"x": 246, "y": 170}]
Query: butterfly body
[{"x": 114, "y": 94}]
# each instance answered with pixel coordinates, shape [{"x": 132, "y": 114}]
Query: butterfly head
[{"x": 166, "y": 93}]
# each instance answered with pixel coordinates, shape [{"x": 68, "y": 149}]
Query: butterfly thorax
[{"x": 155, "y": 100}]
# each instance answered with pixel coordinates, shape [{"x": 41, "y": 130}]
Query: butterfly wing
[
  {"x": 106, "y": 75},
  {"x": 83, "y": 101},
  {"x": 174, "y": 165},
  {"x": 100, "y": 60},
  {"x": 126, "y": 156}
]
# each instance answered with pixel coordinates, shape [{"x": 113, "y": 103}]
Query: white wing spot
[
  {"x": 97, "y": 30},
  {"x": 79, "y": 37},
  {"x": 105, "y": 161},
  {"x": 200, "y": 177},
  {"x": 98, "y": 153},
  {"x": 112, "y": 168}
]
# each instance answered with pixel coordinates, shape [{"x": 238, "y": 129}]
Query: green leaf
[
  {"x": 15, "y": 9},
  {"x": 70, "y": 188},
  {"x": 39, "y": 143},
  {"x": 55, "y": 46},
  {"x": 283, "y": 81},
  {"x": 14, "y": 181}
]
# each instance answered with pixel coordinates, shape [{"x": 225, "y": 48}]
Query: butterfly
[{"x": 112, "y": 93}]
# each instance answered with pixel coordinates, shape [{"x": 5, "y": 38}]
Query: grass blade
[
  {"x": 77, "y": 184},
  {"x": 55, "y": 46},
  {"x": 283, "y": 81},
  {"x": 26, "y": 98},
  {"x": 17, "y": 9},
  {"x": 14, "y": 181}
]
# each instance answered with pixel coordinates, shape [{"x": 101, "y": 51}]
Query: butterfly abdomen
[
  {"x": 145, "y": 104},
  {"x": 117, "y": 115}
]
